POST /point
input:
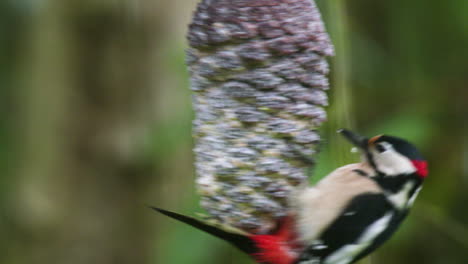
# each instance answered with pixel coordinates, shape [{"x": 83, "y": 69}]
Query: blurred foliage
[{"x": 401, "y": 69}]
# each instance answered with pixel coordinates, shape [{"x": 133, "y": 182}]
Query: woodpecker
[{"x": 345, "y": 216}]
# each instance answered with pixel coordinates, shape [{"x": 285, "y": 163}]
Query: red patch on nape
[
  {"x": 278, "y": 248},
  {"x": 421, "y": 168}
]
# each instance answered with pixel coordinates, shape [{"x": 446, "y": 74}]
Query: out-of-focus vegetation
[{"x": 95, "y": 118}]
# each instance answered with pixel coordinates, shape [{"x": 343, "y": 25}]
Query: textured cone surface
[{"x": 258, "y": 72}]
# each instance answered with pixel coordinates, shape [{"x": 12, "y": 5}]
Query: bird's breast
[{"x": 318, "y": 206}]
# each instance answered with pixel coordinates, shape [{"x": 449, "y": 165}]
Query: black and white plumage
[{"x": 347, "y": 215}]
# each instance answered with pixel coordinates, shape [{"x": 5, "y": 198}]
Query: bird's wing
[{"x": 352, "y": 233}]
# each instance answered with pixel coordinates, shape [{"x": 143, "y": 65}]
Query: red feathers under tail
[{"x": 279, "y": 248}]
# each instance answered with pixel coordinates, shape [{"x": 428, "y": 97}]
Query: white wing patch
[
  {"x": 320, "y": 247},
  {"x": 311, "y": 261},
  {"x": 347, "y": 253},
  {"x": 351, "y": 213},
  {"x": 376, "y": 228}
]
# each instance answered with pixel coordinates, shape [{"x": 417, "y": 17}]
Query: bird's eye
[{"x": 381, "y": 147}]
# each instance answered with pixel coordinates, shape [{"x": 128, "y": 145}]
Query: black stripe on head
[
  {"x": 371, "y": 161},
  {"x": 402, "y": 146}
]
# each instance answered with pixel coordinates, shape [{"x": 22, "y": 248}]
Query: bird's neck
[
  {"x": 395, "y": 183},
  {"x": 401, "y": 190}
]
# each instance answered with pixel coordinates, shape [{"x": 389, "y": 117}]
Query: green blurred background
[{"x": 95, "y": 119}]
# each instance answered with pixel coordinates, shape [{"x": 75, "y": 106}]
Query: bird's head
[{"x": 388, "y": 155}]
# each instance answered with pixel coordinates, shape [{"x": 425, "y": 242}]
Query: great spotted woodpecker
[{"x": 345, "y": 216}]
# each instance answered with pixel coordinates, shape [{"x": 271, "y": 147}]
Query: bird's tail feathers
[{"x": 236, "y": 237}]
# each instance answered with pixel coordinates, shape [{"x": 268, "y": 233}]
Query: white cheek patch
[{"x": 393, "y": 163}]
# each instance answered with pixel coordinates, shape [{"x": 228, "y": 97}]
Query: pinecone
[{"x": 258, "y": 72}]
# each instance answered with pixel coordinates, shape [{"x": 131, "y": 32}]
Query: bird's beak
[{"x": 355, "y": 139}]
